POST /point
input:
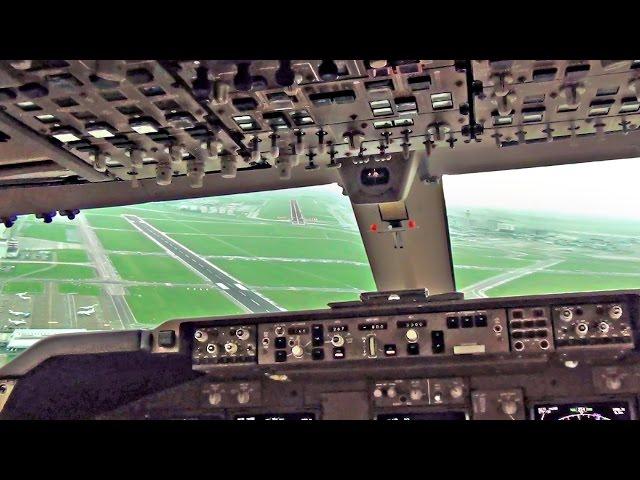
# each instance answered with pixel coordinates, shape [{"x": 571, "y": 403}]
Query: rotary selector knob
[
  {"x": 509, "y": 407},
  {"x": 392, "y": 392},
  {"x": 215, "y": 398},
  {"x": 456, "y": 391},
  {"x": 416, "y": 394},
  {"x": 615, "y": 312},
  {"x": 297, "y": 351},
  {"x": 243, "y": 397},
  {"x": 411, "y": 335},
  {"x": 242, "y": 333},
  {"x": 230, "y": 347},
  {"x": 377, "y": 393}
]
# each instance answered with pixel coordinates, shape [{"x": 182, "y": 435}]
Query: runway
[
  {"x": 296, "y": 213},
  {"x": 233, "y": 288}
]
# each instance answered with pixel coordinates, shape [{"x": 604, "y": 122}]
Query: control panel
[
  {"x": 420, "y": 392},
  {"x": 224, "y": 345},
  {"x": 592, "y": 325},
  {"x": 515, "y": 331},
  {"x": 402, "y": 336}
]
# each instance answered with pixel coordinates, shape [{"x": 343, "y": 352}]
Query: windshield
[
  {"x": 544, "y": 230},
  {"x": 138, "y": 266}
]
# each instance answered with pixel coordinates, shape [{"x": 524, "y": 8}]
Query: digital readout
[
  {"x": 339, "y": 328},
  {"x": 411, "y": 323},
  {"x": 372, "y": 326},
  {"x": 297, "y": 330}
]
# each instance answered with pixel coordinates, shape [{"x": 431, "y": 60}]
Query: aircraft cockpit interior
[{"x": 319, "y": 239}]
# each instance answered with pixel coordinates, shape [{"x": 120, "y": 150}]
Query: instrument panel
[
  {"x": 512, "y": 332},
  {"x": 439, "y": 358}
]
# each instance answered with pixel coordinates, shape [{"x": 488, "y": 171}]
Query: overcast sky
[{"x": 609, "y": 188}]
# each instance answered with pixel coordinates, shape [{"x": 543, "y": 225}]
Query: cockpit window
[
  {"x": 544, "y": 230},
  {"x": 137, "y": 266}
]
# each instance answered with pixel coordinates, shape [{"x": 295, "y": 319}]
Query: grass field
[
  {"x": 154, "y": 305},
  {"x": 153, "y": 268}
]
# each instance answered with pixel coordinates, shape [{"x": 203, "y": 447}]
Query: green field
[
  {"x": 22, "y": 286},
  {"x": 72, "y": 255},
  {"x": 154, "y": 305},
  {"x": 153, "y": 268},
  {"x": 299, "y": 274},
  {"x": 307, "y": 300},
  {"x": 126, "y": 241},
  {"x": 47, "y": 271}
]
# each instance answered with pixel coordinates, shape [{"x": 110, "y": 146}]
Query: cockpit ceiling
[{"x": 165, "y": 129}]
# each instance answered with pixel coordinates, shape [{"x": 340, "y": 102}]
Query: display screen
[
  {"x": 423, "y": 416},
  {"x": 278, "y": 416},
  {"x": 583, "y": 411}
]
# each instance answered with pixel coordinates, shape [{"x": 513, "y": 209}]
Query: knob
[
  {"x": 412, "y": 335},
  {"x": 456, "y": 391},
  {"x": 284, "y": 75},
  {"x": 201, "y": 85},
  {"x": 377, "y": 393},
  {"x": 242, "y": 333},
  {"x": 200, "y": 335},
  {"x": 582, "y": 329},
  {"x": 100, "y": 161},
  {"x": 566, "y": 314},
  {"x": 392, "y": 392},
  {"x": 163, "y": 173},
  {"x": 437, "y": 397},
  {"x": 228, "y": 166},
  {"x": 221, "y": 92},
  {"x": 603, "y": 327},
  {"x": 501, "y": 83},
  {"x": 242, "y": 80},
  {"x": 297, "y": 351},
  {"x": 215, "y": 398},
  {"x": 230, "y": 347},
  {"x": 136, "y": 155},
  {"x": 243, "y": 397},
  {"x": 509, "y": 407},
  {"x": 615, "y": 312},
  {"x": 328, "y": 70},
  {"x": 613, "y": 383},
  {"x": 416, "y": 394},
  {"x": 337, "y": 340},
  {"x": 377, "y": 63},
  {"x": 284, "y": 165}
]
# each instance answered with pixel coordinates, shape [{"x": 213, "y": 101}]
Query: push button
[
  {"x": 281, "y": 355},
  {"x": 467, "y": 321},
  {"x": 317, "y": 353},
  {"x": 390, "y": 350},
  {"x": 437, "y": 341},
  {"x": 481, "y": 320},
  {"x": 453, "y": 322},
  {"x": 413, "y": 349},
  {"x": 281, "y": 342},
  {"x": 167, "y": 338},
  {"x": 338, "y": 353},
  {"x": 317, "y": 335}
]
